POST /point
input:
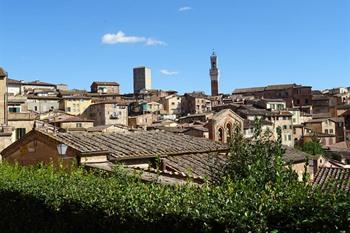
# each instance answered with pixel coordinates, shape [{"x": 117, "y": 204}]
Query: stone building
[
  {"x": 142, "y": 79},
  {"x": 325, "y": 104},
  {"x": 282, "y": 119},
  {"x": 105, "y": 87},
  {"x": 14, "y": 87},
  {"x": 107, "y": 113},
  {"x": 153, "y": 107},
  {"x": 222, "y": 124},
  {"x": 30, "y": 87},
  {"x": 249, "y": 128},
  {"x": 5, "y": 129},
  {"x": 72, "y": 123},
  {"x": 195, "y": 103},
  {"x": 270, "y": 104},
  {"x": 295, "y": 95},
  {"x": 143, "y": 120},
  {"x": 334, "y": 126},
  {"x": 74, "y": 104},
  {"x": 21, "y": 123},
  {"x": 16, "y": 119},
  {"x": 3, "y": 97},
  {"x": 180, "y": 157},
  {"x": 42, "y": 103},
  {"x": 172, "y": 104},
  {"x": 132, "y": 148},
  {"x": 100, "y": 97}
]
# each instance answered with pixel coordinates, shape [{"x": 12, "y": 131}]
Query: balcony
[
  {"x": 5, "y": 130},
  {"x": 20, "y": 116},
  {"x": 17, "y": 99}
]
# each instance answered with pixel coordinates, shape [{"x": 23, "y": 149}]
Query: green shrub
[
  {"x": 313, "y": 148},
  {"x": 258, "y": 197},
  {"x": 46, "y": 200}
]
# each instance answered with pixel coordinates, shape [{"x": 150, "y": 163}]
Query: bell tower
[
  {"x": 3, "y": 97},
  {"x": 214, "y": 74}
]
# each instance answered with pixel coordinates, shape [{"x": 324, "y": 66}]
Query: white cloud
[
  {"x": 185, "y": 8},
  {"x": 169, "y": 73},
  {"x": 151, "y": 41},
  {"x": 120, "y": 37}
]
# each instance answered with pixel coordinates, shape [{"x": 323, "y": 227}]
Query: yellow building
[{"x": 75, "y": 105}]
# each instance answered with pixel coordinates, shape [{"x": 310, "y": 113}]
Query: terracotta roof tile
[
  {"x": 204, "y": 165},
  {"x": 39, "y": 83},
  {"x": 135, "y": 145},
  {"x": 333, "y": 179},
  {"x": 105, "y": 83}
]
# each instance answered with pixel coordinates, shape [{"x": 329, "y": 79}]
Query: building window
[
  {"x": 284, "y": 127},
  {"x": 280, "y": 106},
  {"x": 79, "y": 125},
  {"x": 14, "y": 108},
  {"x": 229, "y": 132},
  {"x": 289, "y": 137},
  {"x": 326, "y": 131},
  {"x": 35, "y": 108},
  {"x": 20, "y": 132},
  {"x": 221, "y": 135},
  {"x": 331, "y": 131},
  {"x": 68, "y": 109}
]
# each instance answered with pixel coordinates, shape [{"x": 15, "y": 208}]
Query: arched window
[
  {"x": 221, "y": 135},
  {"x": 228, "y": 132}
]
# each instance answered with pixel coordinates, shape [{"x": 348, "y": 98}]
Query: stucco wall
[{"x": 36, "y": 151}]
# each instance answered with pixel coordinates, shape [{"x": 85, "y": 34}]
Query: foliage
[
  {"x": 312, "y": 147},
  {"x": 257, "y": 159},
  {"x": 258, "y": 196}
]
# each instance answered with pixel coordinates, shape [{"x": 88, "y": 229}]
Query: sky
[{"x": 257, "y": 42}]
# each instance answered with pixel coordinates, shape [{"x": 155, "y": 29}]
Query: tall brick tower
[
  {"x": 3, "y": 97},
  {"x": 214, "y": 74}
]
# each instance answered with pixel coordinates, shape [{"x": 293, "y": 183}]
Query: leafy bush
[
  {"x": 313, "y": 148},
  {"x": 258, "y": 197}
]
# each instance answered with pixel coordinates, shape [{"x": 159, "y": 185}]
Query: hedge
[{"x": 44, "y": 199}]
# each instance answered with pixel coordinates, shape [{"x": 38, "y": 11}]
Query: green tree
[
  {"x": 257, "y": 159},
  {"x": 313, "y": 147}
]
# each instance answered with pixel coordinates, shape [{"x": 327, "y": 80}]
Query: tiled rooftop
[
  {"x": 136, "y": 145},
  {"x": 333, "y": 179},
  {"x": 266, "y": 88},
  {"x": 203, "y": 165},
  {"x": 39, "y": 83},
  {"x": 105, "y": 83}
]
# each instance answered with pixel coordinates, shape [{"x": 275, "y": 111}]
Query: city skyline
[{"x": 257, "y": 43}]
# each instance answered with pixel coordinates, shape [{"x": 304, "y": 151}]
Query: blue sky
[{"x": 258, "y": 42}]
